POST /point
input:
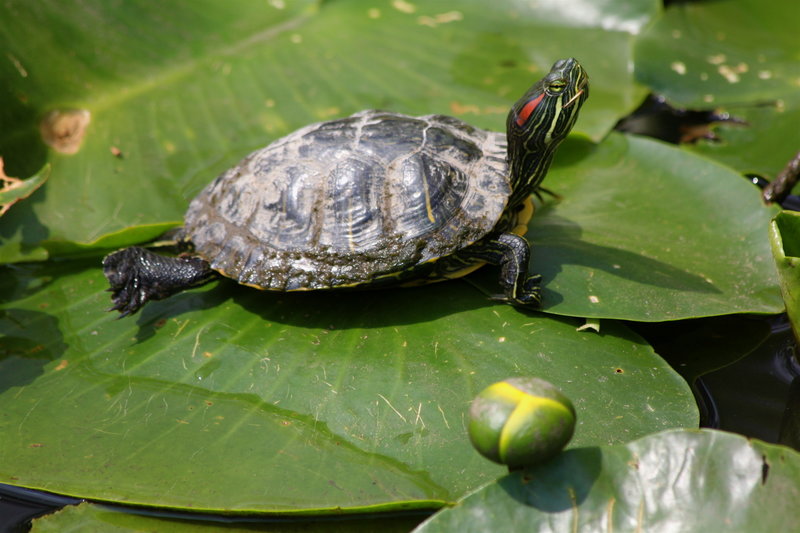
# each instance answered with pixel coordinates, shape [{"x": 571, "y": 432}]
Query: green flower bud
[{"x": 520, "y": 421}]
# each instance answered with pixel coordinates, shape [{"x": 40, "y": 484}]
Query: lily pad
[
  {"x": 784, "y": 236},
  {"x": 176, "y": 95},
  {"x": 688, "y": 481},
  {"x": 706, "y": 54},
  {"x": 764, "y": 144},
  {"x": 649, "y": 232},
  {"x": 361, "y": 395}
]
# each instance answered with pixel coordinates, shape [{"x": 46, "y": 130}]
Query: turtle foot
[
  {"x": 529, "y": 294},
  {"x": 136, "y": 276}
]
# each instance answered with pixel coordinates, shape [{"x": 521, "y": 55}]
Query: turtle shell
[{"x": 352, "y": 201}]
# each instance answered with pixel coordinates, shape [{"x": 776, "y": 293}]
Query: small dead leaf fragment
[
  {"x": 63, "y": 131},
  {"x": 12, "y": 190}
]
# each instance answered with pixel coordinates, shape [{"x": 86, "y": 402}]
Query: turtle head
[{"x": 539, "y": 121}]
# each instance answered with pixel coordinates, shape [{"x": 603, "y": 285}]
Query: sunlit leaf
[
  {"x": 688, "y": 481},
  {"x": 179, "y": 91}
]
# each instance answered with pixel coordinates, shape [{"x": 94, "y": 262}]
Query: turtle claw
[
  {"x": 531, "y": 293},
  {"x": 530, "y": 299},
  {"x": 136, "y": 276},
  {"x": 528, "y": 295},
  {"x": 124, "y": 271}
]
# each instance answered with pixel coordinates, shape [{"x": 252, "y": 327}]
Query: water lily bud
[{"x": 520, "y": 421}]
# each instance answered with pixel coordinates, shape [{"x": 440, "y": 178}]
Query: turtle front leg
[
  {"x": 137, "y": 276},
  {"x": 512, "y": 254}
]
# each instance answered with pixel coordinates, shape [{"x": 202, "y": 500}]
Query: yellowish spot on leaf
[
  {"x": 403, "y": 6},
  {"x": 329, "y": 112},
  {"x": 731, "y": 73},
  {"x": 441, "y": 18},
  {"x": 678, "y": 67},
  {"x": 63, "y": 131},
  {"x": 460, "y": 109}
]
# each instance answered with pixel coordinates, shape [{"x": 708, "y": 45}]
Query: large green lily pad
[
  {"x": 177, "y": 94},
  {"x": 649, "y": 232},
  {"x": 224, "y": 397},
  {"x": 688, "y": 481}
]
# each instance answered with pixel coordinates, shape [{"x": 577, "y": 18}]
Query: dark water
[
  {"x": 759, "y": 396},
  {"x": 18, "y": 506}
]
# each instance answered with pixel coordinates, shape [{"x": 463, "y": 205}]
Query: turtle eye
[{"x": 557, "y": 86}]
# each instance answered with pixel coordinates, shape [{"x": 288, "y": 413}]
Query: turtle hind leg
[
  {"x": 137, "y": 276},
  {"x": 511, "y": 253}
]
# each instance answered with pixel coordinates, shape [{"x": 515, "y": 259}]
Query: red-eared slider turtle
[{"x": 371, "y": 199}]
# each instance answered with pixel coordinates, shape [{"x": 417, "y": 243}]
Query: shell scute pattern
[{"x": 350, "y": 200}]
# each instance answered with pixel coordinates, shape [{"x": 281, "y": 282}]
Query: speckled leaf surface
[
  {"x": 190, "y": 88},
  {"x": 741, "y": 57},
  {"x": 705, "y": 54},
  {"x": 225, "y": 397},
  {"x": 688, "y": 481}
]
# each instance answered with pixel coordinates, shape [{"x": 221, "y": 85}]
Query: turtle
[{"x": 373, "y": 199}]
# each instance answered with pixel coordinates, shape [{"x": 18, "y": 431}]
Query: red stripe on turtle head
[{"x": 526, "y": 111}]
